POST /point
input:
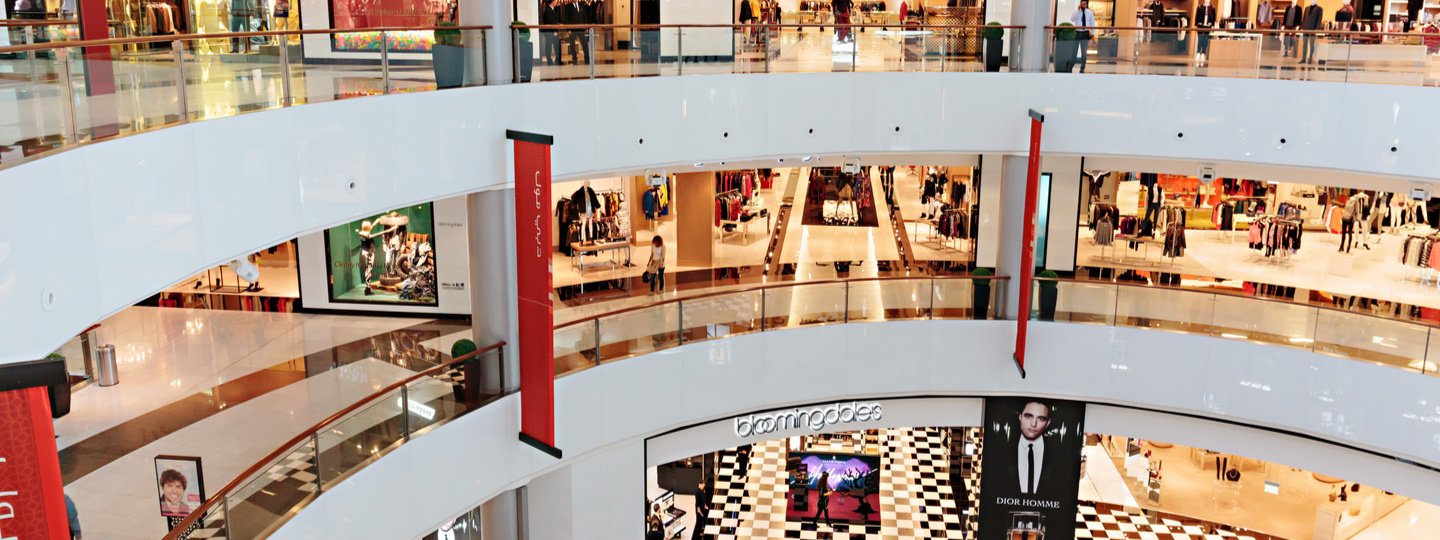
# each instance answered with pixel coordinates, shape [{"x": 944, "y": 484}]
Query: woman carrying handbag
[{"x": 655, "y": 269}]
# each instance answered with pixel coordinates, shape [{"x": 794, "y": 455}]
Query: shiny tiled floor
[
  {"x": 1371, "y": 273},
  {"x": 167, "y": 354},
  {"x": 118, "y": 501}
]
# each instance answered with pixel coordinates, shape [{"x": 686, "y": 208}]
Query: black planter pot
[
  {"x": 448, "y": 61},
  {"x": 527, "y": 59},
  {"x": 1065, "y": 51},
  {"x": 980, "y": 308},
  {"x": 994, "y": 50},
  {"x": 1048, "y": 297}
]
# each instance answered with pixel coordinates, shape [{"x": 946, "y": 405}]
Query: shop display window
[
  {"x": 348, "y": 14},
  {"x": 384, "y": 259}
]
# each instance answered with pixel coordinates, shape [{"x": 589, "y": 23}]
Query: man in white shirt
[{"x": 1085, "y": 19}]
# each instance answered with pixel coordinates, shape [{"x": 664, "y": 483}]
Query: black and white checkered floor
[{"x": 916, "y": 500}]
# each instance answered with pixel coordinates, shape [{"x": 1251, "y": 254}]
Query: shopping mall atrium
[{"x": 719, "y": 269}]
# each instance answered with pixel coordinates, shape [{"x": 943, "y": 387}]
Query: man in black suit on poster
[{"x": 1031, "y": 465}]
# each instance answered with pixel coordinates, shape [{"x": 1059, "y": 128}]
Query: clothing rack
[{"x": 1276, "y": 238}]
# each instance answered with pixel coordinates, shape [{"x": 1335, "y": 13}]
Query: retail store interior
[
  {"x": 926, "y": 483},
  {"x": 1306, "y": 239},
  {"x": 756, "y": 225}
]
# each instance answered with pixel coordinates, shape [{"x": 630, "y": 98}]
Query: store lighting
[
  {"x": 1301, "y": 340},
  {"x": 1232, "y": 336},
  {"x": 1272, "y": 488},
  {"x": 807, "y": 159},
  {"x": 699, "y": 164}
]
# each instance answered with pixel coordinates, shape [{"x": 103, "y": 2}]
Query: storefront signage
[
  {"x": 815, "y": 419},
  {"x": 534, "y": 282}
]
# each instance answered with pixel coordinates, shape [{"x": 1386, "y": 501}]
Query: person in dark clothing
[
  {"x": 822, "y": 505},
  {"x": 1313, "y": 18},
  {"x": 1291, "y": 21},
  {"x": 702, "y": 511},
  {"x": 572, "y": 13},
  {"x": 549, "y": 44}
]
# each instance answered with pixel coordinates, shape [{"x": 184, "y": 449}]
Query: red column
[
  {"x": 534, "y": 282},
  {"x": 32, "y": 502},
  {"x": 1027, "y": 253}
]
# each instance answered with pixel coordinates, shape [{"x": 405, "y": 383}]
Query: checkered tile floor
[
  {"x": 294, "y": 475},
  {"x": 1113, "y": 523},
  {"x": 916, "y": 500}
]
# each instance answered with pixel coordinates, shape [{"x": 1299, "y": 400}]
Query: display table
[
  {"x": 578, "y": 251},
  {"x": 1370, "y": 52},
  {"x": 1234, "y": 50}
]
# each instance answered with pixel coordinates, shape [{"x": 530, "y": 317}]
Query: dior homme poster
[{"x": 1030, "y": 469}]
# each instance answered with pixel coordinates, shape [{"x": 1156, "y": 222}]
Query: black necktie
[{"x": 1031, "y": 470}]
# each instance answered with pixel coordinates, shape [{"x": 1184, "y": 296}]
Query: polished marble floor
[
  {"x": 166, "y": 355},
  {"x": 1318, "y": 265},
  {"x": 119, "y": 502}
]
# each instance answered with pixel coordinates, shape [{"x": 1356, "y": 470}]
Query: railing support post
[
  {"x": 405, "y": 411},
  {"x": 67, "y": 94},
  {"x": 597, "y": 341},
  {"x": 178, "y": 47},
  {"x": 286, "y": 98},
  {"x": 590, "y": 42},
  {"x": 319, "y": 471},
  {"x": 385, "y": 60}
]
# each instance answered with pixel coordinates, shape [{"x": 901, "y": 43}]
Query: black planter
[
  {"x": 1048, "y": 296},
  {"x": 448, "y": 62},
  {"x": 1065, "y": 52},
  {"x": 994, "y": 50},
  {"x": 980, "y": 308},
  {"x": 527, "y": 59}
]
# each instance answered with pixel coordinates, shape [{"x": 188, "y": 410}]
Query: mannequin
[
  {"x": 367, "y": 254},
  {"x": 585, "y": 204},
  {"x": 1204, "y": 19},
  {"x": 1312, "y": 19}
]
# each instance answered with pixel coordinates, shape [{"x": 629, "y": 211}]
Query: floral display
[{"x": 400, "y": 41}]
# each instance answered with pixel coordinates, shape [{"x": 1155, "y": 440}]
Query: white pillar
[
  {"x": 1034, "y": 15},
  {"x": 1010, "y": 241},
  {"x": 499, "y": 46},
  {"x": 493, "y": 304}
]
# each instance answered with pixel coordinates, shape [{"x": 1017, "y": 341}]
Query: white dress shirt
[
  {"x": 1083, "y": 17},
  {"x": 1023, "y": 460}
]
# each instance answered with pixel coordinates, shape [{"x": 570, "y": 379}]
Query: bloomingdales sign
[{"x": 815, "y": 419}]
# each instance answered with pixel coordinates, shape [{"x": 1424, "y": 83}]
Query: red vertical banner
[
  {"x": 1027, "y": 252},
  {"x": 534, "y": 283},
  {"x": 32, "y": 500}
]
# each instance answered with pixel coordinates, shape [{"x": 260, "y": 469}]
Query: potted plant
[
  {"x": 524, "y": 50},
  {"x": 1066, "y": 48},
  {"x": 448, "y": 56},
  {"x": 461, "y": 347},
  {"x": 994, "y": 45},
  {"x": 1049, "y": 295},
  {"x": 980, "y": 304}
]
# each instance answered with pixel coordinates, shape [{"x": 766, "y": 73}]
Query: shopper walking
[
  {"x": 1314, "y": 17},
  {"x": 702, "y": 510},
  {"x": 822, "y": 506},
  {"x": 656, "y": 267},
  {"x": 1085, "y": 19}
]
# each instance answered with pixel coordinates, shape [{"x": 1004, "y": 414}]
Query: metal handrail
[
  {"x": 1237, "y": 294},
  {"x": 1265, "y": 31},
  {"x": 225, "y": 35},
  {"x": 218, "y": 498},
  {"x": 753, "y": 26},
  {"x": 21, "y": 23},
  {"x": 769, "y": 286}
]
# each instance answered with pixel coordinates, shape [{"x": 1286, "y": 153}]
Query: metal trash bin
[{"x": 107, "y": 373}]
